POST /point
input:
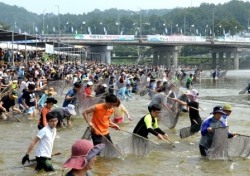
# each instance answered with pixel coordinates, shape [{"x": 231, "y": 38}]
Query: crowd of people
[{"x": 30, "y": 87}]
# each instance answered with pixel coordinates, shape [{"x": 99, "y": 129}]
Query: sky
[{"x": 85, "y": 6}]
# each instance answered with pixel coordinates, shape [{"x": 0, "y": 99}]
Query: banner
[
  {"x": 105, "y": 37},
  {"x": 49, "y": 48},
  {"x": 163, "y": 38}
]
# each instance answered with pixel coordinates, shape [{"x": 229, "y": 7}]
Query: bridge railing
[{"x": 146, "y": 38}]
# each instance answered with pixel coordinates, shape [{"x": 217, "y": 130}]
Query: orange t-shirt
[
  {"x": 43, "y": 120},
  {"x": 100, "y": 119}
]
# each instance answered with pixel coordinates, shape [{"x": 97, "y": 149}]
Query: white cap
[
  {"x": 90, "y": 83},
  {"x": 71, "y": 109},
  {"x": 104, "y": 85}
]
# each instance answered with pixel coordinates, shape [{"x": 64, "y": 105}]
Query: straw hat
[
  {"x": 82, "y": 151},
  {"x": 50, "y": 91},
  {"x": 227, "y": 107}
]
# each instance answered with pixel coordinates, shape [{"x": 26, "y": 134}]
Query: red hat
[{"x": 81, "y": 152}]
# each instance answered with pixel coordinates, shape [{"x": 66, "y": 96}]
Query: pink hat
[
  {"x": 192, "y": 94},
  {"x": 81, "y": 152}
]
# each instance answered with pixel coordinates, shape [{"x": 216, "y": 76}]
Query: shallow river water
[{"x": 163, "y": 160}]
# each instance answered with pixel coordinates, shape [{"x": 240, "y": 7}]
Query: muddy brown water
[{"x": 163, "y": 160}]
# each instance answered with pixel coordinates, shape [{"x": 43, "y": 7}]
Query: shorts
[
  {"x": 118, "y": 119},
  {"x": 98, "y": 139},
  {"x": 44, "y": 163},
  {"x": 30, "y": 110}
]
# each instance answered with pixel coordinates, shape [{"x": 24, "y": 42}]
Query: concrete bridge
[{"x": 225, "y": 50}]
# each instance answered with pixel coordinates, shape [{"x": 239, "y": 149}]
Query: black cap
[
  {"x": 77, "y": 85},
  {"x": 218, "y": 109},
  {"x": 51, "y": 100}
]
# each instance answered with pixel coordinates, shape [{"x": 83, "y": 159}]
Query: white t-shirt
[
  {"x": 47, "y": 136},
  {"x": 23, "y": 85}
]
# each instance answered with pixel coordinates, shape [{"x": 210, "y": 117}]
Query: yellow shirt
[{"x": 119, "y": 111}]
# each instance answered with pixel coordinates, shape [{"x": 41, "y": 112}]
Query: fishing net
[
  {"x": 239, "y": 146},
  {"x": 111, "y": 150},
  {"x": 144, "y": 92},
  {"x": 83, "y": 102},
  {"x": 58, "y": 86},
  {"x": 223, "y": 147},
  {"x": 87, "y": 134},
  {"x": 218, "y": 149},
  {"x": 136, "y": 145},
  {"x": 5, "y": 90},
  {"x": 169, "y": 116},
  {"x": 185, "y": 132},
  {"x": 143, "y": 82}
]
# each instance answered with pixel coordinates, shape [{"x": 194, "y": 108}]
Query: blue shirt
[
  {"x": 207, "y": 137},
  {"x": 20, "y": 72},
  {"x": 70, "y": 93}
]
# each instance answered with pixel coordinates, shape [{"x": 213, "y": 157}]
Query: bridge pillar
[
  {"x": 168, "y": 60},
  {"x": 101, "y": 53},
  {"x": 175, "y": 59},
  {"x": 228, "y": 60},
  {"x": 163, "y": 55},
  {"x": 161, "y": 58},
  {"x": 214, "y": 60},
  {"x": 155, "y": 58},
  {"x": 221, "y": 60},
  {"x": 236, "y": 61}
]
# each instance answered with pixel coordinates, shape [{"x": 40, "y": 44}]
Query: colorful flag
[
  {"x": 105, "y": 31},
  {"x": 166, "y": 30},
  {"x": 89, "y": 30}
]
